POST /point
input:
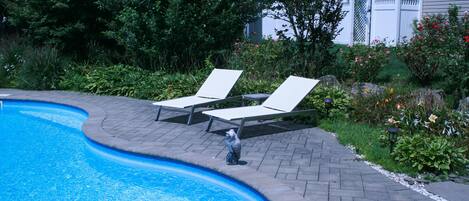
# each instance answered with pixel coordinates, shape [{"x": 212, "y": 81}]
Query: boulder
[
  {"x": 429, "y": 98},
  {"x": 464, "y": 105},
  {"x": 329, "y": 81},
  {"x": 366, "y": 89}
]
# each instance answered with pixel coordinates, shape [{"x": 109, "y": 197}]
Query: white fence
[{"x": 367, "y": 20}]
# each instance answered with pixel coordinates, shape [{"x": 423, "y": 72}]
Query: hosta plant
[{"x": 430, "y": 154}]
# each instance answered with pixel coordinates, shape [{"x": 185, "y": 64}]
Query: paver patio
[{"x": 309, "y": 160}]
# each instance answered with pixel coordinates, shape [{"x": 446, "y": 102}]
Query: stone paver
[
  {"x": 309, "y": 161},
  {"x": 450, "y": 190}
]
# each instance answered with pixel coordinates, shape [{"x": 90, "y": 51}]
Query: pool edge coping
[{"x": 269, "y": 187}]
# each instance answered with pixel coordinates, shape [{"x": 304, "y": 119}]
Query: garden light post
[
  {"x": 328, "y": 104},
  {"x": 392, "y": 132}
]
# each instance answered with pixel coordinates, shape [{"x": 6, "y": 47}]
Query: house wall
[
  {"x": 441, "y": 6},
  {"x": 390, "y": 21}
]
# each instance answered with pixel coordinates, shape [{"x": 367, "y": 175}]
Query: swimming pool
[{"x": 44, "y": 155}]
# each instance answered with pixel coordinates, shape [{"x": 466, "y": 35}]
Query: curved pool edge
[{"x": 269, "y": 187}]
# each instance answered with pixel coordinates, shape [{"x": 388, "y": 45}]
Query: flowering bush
[
  {"x": 375, "y": 108},
  {"x": 427, "y": 51},
  {"x": 439, "y": 48},
  {"x": 440, "y": 122},
  {"x": 364, "y": 62}
]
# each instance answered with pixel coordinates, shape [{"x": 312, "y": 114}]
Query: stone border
[{"x": 269, "y": 187}]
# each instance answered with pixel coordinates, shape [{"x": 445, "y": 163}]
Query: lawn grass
[{"x": 365, "y": 139}]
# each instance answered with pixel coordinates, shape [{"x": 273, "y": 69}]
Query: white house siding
[
  {"x": 441, "y": 6},
  {"x": 389, "y": 20}
]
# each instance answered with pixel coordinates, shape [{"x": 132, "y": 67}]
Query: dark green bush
[
  {"x": 42, "y": 68},
  {"x": 64, "y": 24},
  {"x": 11, "y": 58},
  {"x": 175, "y": 34},
  {"x": 430, "y": 154},
  {"x": 268, "y": 59}
]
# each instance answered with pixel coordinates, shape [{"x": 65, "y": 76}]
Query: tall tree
[
  {"x": 314, "y": 24},
  {"x": 177, "y": 34},
  {"x": 67, "y": 24}
]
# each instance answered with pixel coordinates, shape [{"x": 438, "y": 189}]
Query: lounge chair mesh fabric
[
  {"x": 283, "y": 100},
  {"x": 216, "y": 87}
]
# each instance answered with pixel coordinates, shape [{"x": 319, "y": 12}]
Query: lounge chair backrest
[
  {"x": 219, "y": 83},
  {"x": 290, "y": 93}
]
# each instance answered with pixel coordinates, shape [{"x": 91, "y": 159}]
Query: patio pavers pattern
[{"x": 309, "y": 160}]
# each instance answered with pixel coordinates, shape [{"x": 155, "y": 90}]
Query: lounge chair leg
[
  {"x": 158, "y": 113},
  {"x": 209, "y": 125},
  {"x": 240, "y": 128},
  {"x": 189, "y": 120}
]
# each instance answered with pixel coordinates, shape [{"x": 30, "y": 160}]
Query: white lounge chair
[
  {"x": 280, "y": 104},
  {"x": 214, "y": 90}
]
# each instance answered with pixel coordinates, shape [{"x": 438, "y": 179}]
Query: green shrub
[
  {"x": 161, "y": 86},
  {"x": 267, "y": 60},
  {"x": 427, "y": 52},
  {"x": 377, "y": 108},
  {"x": 247, "y": 86},
  {"x": 430, "y": 154},
  {"x": 438, "y": 50},
  {"x": 174, "y": 34},
  {"x": 117, "y": 80},
  {"x": 74, "y": 78},
  {"x": 67, "y": 25},
  {"x": 365, "y": 62},
  {"x": 11, "y": 58},
  {"x": 42, "y": 68},
  {"x": 455, "y": 71},
  {"x": 340, "y": 106}
]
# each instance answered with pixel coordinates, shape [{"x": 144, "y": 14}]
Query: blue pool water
[{"x": 45, "y": 156}]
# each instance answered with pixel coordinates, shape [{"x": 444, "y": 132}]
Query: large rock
[
  {"x": 429, "y": 98},
  {"x": 366, "y": 89},
  {"x": 464, "y": 105},
  {"x": 329, "y": 81}
]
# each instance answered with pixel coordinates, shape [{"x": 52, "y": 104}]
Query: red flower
[
  {"x": 466, "y": 39},
  {"x": 435, "y": 25},
  {"x": 420, "y": 27}
]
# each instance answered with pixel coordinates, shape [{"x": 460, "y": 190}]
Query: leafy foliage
[
  {"x": 365, "y": 62},
  {"x": 417, "y": 119},
  {"x": 438, "y": 48},
  {"x": 341, "y": 101},
  {"x": 11, "y": 58},
  {"x": 176, "y": 33},
  {"x": 314, "y": 23},
  {"x": 27, "y": 67},
  {"x": 42, "y": 69},
  {"x": 376, "y": 108},
  {"x": 267, "y": 60},
  {"x": 66, "y": 24},
  {"x": 430, "y": 154},
  {"x": 121, "y": 80}
]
